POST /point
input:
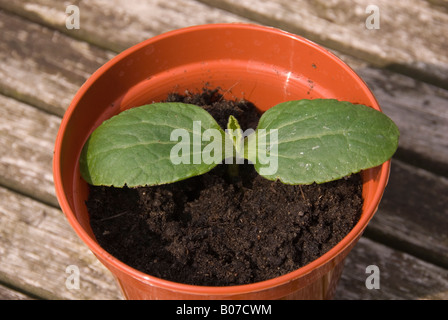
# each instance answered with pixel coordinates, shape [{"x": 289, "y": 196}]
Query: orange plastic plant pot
[{"x": 263, "y": 65}]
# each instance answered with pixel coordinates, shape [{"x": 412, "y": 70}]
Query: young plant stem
[
  {"x": 233, "y": 171},
  {"x": 301, "y": 191},
  {"x": 234, "y": 133}
]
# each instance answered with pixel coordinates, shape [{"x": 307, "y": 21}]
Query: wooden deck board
[
  {"x": 10, "y": 294},
  {"x": 27, "y": 137},
  {"x": 404, "y": 41},
  {"x": 413, "y": 214},
  {"x": 42, "y": 65},
  {"x": 137, "y": 20},
  {"x": 38, "y": 245},
  {"x": 399, "y": 43}
]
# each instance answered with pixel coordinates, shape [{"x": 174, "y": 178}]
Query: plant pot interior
[{"x": 218, "y": 229}]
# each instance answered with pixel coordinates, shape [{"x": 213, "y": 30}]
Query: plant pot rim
[{"x": 353, "y": 235}]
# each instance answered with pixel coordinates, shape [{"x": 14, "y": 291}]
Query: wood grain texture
[
  {"x": 10, "y": 294},
  {"x": 439, "y": 4},
  {"x": 413, "y": 214},
  {"x": 135, "y": 20},
  {"x": 43, "y": 67},
  {"x": 27, "y": 137},
  {"x": 401, "y": 276},
  {"x": 38, "y": 244},
  {"x": 412, "y": 37}
]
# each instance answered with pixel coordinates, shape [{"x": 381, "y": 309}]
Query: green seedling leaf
[
  {"x": 235, "y": 133},
  {"x": 296, "y": 142},
  {"x": 151, "y": 145},
  {"x": 322, "y": 140}
]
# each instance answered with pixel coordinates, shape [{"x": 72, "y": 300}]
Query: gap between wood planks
[
  {"x": 403, "y": 43},
  {"x": 411, "y": 39},
  {"x": 8, "y": 292}
]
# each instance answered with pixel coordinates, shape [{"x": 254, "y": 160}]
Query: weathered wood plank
[
  {"x": 56, "y": 66},
  {"x": 27, "y": 137},
  {"x": 401, "y": 276},
  {"x": 9, "y": 294},
  {"x": 38, "y": 244},
  {"x": 413, "y": 214},
  {"x": 400, "y": 42},
  {"x": 439, "y": 4},
  {"x": 123, "y": 23},
  {"x": 411, "y": 38},
  {"x": 41, "y": 66}
]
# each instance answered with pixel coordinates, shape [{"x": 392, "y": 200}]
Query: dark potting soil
[{"x": 216, "y": 231}]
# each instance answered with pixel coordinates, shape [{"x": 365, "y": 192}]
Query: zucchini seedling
[{"x": 296, "y": 142}]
